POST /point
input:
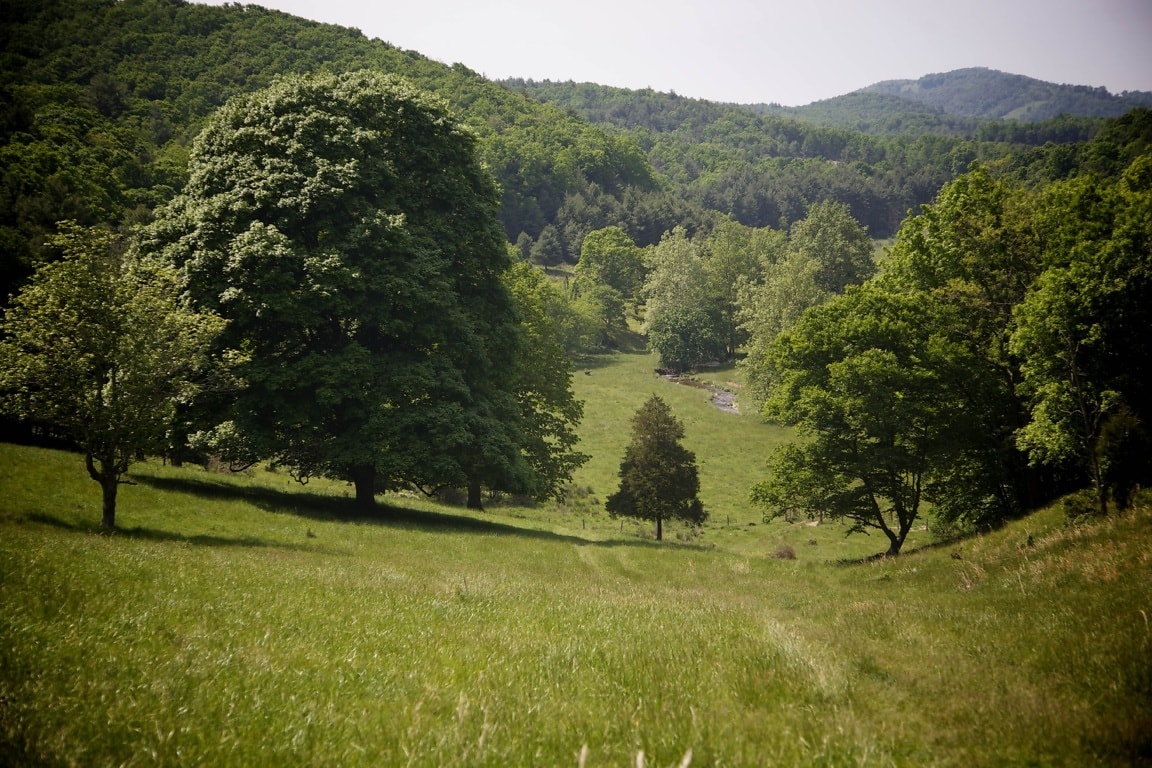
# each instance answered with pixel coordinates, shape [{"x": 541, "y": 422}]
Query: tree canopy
[
  {"x": 877, "y": 390},
  {"x": 1081, "y": 332},
  {"x": 1000, "y": 358},
  {"x": 102, "y": 346},
  {"x": 610, "y": 257},
  {"x": 345, "y": 227}
]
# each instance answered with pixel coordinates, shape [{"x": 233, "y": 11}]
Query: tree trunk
[
  {"x": 474, "y": 494},
  {"x": 1096, "y": 472},
  {"x": 364, "y": 478},
  {"x": 659, "y": 529},
  {"x": 108, "y": 486},
  {"x": 896, "y": 538},
  {"x": 109, "y": 480}
]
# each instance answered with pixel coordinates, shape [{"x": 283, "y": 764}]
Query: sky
[{"x": 749, "y": 51}]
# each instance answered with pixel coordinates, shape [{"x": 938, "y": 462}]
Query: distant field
[{"x": 245, "y": 620}]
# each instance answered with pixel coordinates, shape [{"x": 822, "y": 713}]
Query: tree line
[
  {"x": 998, "y": 358},
  {"x": 880, "y": 155}
]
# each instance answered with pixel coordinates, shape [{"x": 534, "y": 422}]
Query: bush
[
  {"x": 784, "y": 552},
  {"x": 1079, "y": 506}
]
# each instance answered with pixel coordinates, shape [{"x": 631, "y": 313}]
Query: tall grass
[{"x": 244, "y": 620}]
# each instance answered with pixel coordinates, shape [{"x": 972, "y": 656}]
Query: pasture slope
[{"x": 245, "y": 620}]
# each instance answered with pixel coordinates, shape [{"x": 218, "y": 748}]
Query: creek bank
[{"x": 723, "y": 399}]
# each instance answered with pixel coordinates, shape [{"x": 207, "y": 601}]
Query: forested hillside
[
  {"x": 980, "y": 92},
  {"x": 101, "y": 100},
  {"x": 984, "y": 104},
  {"x": 764, "y": 170},
  {"x": 881, "y": 154}
]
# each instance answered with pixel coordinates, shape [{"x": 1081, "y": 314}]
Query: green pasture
[{"x": 246, "y": 620}]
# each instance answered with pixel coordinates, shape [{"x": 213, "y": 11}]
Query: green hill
[
  {"x": 99, "y": 103},
  {"x": 975, "y": 102},
  {"x": 881, "y": 114},
  {"x": 979, "y": 92}
]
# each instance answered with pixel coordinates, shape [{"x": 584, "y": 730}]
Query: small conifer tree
[{"x": 658, "y": 476}]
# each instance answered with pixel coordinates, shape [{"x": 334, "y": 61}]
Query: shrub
[{"x": 784, "y": 552}]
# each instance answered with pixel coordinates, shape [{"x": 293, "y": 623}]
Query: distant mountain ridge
[
  {"x": 990, "y": 94},
  {"x": 963, "y": 102}
]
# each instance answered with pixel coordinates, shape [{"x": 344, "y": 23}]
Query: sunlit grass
[
  {"x": 233, "y": 622},
  {"x": 246, "y": 620}
]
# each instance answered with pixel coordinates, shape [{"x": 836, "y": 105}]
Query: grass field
[{"x": 245, "y": 620}]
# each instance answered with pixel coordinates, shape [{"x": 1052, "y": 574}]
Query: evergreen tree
[{"x": 658, "y": 477}]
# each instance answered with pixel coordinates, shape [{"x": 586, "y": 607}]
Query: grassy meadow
[{"x": 246, "y": 620}]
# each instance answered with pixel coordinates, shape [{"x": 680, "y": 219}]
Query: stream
[{"x": 723, "y": 399}]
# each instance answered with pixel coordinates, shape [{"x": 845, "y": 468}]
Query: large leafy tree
[
  {"x": 772, "y": 306},
  {"x": 541, "y": 380},
  {"x": 824, "y": 253},
  {"x": 658, "y": 476},
  {"x": 879, "y": 393},
  {"x": 102, "y": 346},
  {"x": 682, "y": 320},
  {"x": 976, "y": 249},
  {"x": 610, "y": 257},
  {"x": 737, "y": 257},
  {"x": 829, "y": 234},
  {"x": 604, "y": 281},
  {"x": 345, "y": 227},
  {"x": 1081, "y": 333}
]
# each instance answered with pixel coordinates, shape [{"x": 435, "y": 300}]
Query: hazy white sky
[{"x": 746, "y": 51}]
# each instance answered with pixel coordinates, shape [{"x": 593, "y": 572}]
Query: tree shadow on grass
[
  {"x": 325, "y": 508},
  {"x": 320, "y": 508},
  {"x": 152, "y": 534}
]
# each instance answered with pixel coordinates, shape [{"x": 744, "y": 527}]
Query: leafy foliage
[
  {"x": 766, "y": 165},
  {"x": 101, "y": 100},
  {"x": 658, "y": 477},
  {"x": 824, "y": 253},
  {"x": 877, "y": 390},
  {"x": 1081, "y": 332},
  {"x": 1026, "y": 309},
  {"x": 772, "y": 306},
  {"x": 102, "y": 346},
  {"x": 542, "y": 382},
  {"x": 975, "y": 249},
  {"x": 686, "y": 336},
  {"x": 345, "y": 227},
  {"x": 675, "y": 291},
  {"x": 829, "y": 234},
  {"x": 609, "y": 256},
  {"x": 987, "y": 93}
]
